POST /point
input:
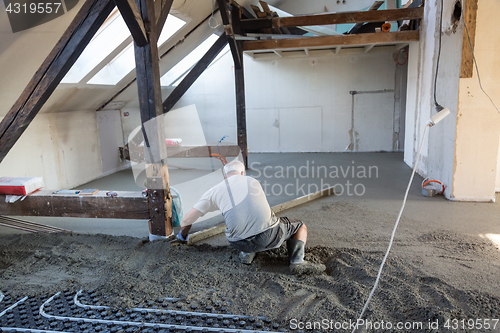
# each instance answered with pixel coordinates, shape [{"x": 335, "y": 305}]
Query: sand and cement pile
[{"x": 126, "y": 272}]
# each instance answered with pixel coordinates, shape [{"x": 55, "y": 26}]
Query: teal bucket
[{"x": 177, "y": 213}]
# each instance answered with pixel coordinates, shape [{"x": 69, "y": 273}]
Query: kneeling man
[{"x": 251, "y": 226}]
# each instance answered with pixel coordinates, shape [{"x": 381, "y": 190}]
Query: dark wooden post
[
  {"x": 241, "y": 121},
  {"x": 232, "y": 25},
  {"x": 150, "y": 103},
  {"x": 228, "y": 28}
]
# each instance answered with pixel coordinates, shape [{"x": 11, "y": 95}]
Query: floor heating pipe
[
  {"x": 13, "y": 306},
  {"x": 141, "y": 324},
  {"x": 208, "y": 314}
]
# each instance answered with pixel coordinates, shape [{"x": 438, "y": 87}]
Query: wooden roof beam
[
  {"x": 324, "y": 41},
  {"x": 163, "y": 14},
  {"x": 376, "y": 5},
  {"x": 132, "y": 17},
  {"x": 194, "y": 73},
  {"x": 334, "y": 18},
  {"x": 229, "y": 30}
]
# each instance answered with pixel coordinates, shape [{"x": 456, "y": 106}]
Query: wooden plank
[
  {"x": 413, "y": 24},
  {"x": 65, "y": 53},
  {"x": 245, "y": 13},
  {"x": 265, "y": 7},
  {"x": 258, "y": 12},
  {"x": 376, "y": 5},
  {"x": 203, "y": 151},
  {"x": 126, "y": 205},
  {"x": 198, "y": 236},
  {"x": 220, "y": 228},
  {"x": 149, "y": 89},
  {"x": 324, "y": 41},
  {"x": 334, "y": 18},
  {"x": 303, "y": 199},
  {"x": 194, "y": 73},
  {"x": 269, "y": 13},
  {"x": 186, "y": 152},
  {"x": 261, "y": 15},
  {"x": 352, "y": 17},
  {"x": 163, "y": 14},
  {"x": 132, "y": 17},
  {"x": 469, "y": 14},
  {"x": 224, "y": 13}
]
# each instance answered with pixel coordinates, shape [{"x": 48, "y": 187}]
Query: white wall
[
  {"x": 304, "y": 99},
  {"x": 63, "y": 148},
  {"x": 307, "y": 103},
  {"x": 180, "y": 123},
  {"x": 437, "y": 159},
  {"x": 214, "y": 97}
]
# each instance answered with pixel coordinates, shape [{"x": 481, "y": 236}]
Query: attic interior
[{"x": 310, "y": 96}]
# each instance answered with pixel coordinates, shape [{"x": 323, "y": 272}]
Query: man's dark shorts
[{"x": 271, "y": 238}]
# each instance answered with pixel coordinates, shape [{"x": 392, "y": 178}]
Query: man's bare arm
[{"x": 188, "y": 220}]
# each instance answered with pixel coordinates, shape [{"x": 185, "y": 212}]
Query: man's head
[{"x": 234, "y": 168}]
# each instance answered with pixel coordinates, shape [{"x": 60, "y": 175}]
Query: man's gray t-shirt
[{"x": 243, "y": 204}]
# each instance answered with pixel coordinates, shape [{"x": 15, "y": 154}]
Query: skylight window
[
  {"x": 189, "y": 61},
  {"x": 107, "y": 40},
  {"x": 172, "y": 25},
  {"x": 117, "y": 69},
  {"x": 223, "y": 52},
  {"x": 124, "y": 62}
]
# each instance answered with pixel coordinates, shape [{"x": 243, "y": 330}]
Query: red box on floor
[{"x": 20, "y": 185}]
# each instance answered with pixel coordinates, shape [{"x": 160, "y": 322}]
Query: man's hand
[
  {"x": 186, "y": 223},
  {"x": 182, "y": 238}
]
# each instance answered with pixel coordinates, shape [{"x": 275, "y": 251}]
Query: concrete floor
[
  {"x": 383, "y": 194},
  {"x": 379, "y": 188}
]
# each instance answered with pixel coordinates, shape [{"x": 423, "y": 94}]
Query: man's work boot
[
  {"x": 246, "y": 258},
  {"x": 298, "y": 266}
]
